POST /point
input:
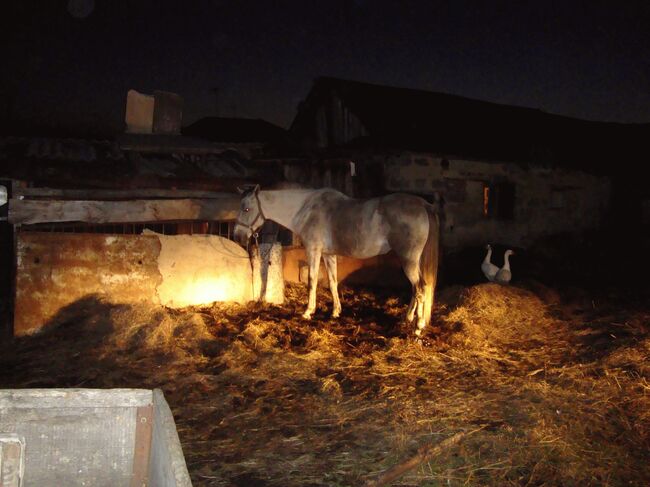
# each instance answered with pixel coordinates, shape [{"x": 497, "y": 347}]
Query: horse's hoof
[{"x": 306, "y": 315}]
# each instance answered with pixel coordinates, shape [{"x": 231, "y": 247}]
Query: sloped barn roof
[
  {"x": 238, "y": 130},
  {"x": 407, "y": 119}
]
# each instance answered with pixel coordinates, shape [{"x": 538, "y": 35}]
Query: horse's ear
[{"x": 248, "y": 188}]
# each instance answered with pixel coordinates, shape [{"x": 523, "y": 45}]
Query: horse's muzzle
[{"x": 241, "y": 234}]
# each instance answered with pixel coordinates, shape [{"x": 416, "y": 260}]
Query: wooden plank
[
  {"x": 135, "y": 211},
  {"x": 71, "y": 398},
  {"x": 142, "y": 448},
  {"x": 117, "y": 194}
]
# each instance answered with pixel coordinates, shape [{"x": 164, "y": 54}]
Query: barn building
[{"x": 506, "y": 174}]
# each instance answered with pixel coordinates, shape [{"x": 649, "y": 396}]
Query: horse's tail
[{"x": 429, "y": 262}]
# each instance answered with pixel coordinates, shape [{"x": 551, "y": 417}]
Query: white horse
[{"x": 330, "y": 223}]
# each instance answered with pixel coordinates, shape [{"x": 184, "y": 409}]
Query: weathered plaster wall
[
  {"x": 55, "y": 270},
  {"x": 546, "y": 201},
  {"x": 199, "y": 269}
]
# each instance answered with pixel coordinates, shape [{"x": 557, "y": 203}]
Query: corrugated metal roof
[
  {"x": 87, "y": 163},
  {"x": 72, "y": 149}
]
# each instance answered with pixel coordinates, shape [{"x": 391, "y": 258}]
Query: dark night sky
[{"x": 586, "y": 59}]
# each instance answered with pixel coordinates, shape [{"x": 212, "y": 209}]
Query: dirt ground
[{"x": 551, "y": 385}]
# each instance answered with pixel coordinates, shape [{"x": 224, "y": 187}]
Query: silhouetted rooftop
[
  {"x": 418, "y": 120},
  {"x": 237, "y": 130}
]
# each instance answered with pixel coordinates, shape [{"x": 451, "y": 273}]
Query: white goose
[
  {"x": 488, "y": 268},
  {"x": 504, "y": 274}
]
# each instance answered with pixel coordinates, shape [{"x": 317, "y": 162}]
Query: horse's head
[{"x": 250, "y": 217}]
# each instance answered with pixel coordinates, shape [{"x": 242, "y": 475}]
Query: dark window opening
[{"x": 499, "y": 201}]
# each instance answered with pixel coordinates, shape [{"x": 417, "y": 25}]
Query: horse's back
[
  {"x": 366, "y": 227},
  {"x": 402, "y": 202},
  {"x": 349, "y": 226}
]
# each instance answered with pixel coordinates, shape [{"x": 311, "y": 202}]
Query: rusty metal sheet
[
  {"x": 59, "y": 270},
  {"x": 142, "y": 449}
]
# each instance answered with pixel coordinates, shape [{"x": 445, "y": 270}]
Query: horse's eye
[{"x": 247, "y": 210}]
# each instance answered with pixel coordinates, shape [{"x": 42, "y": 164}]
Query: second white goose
[{"x": 504, "y": 274}]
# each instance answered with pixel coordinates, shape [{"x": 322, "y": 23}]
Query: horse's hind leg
[
  {"x": 313, "y": 259},
  {"x": 330, "y": 265},
  {"x": 412, "y": 271},
  {"x": 410, "y": 311}
]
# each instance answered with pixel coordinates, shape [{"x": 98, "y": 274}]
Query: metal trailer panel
[
  {"x": 86, "y": 437},
  {"x": 167, "y": 463}
]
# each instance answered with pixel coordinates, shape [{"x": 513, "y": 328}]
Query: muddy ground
[{"x": 551, "y": 385}]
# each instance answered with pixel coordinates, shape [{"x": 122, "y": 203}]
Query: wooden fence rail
[{"x": 24, "y": 211}]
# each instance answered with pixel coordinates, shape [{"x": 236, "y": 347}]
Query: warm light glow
[
  {"x": 205, "y": 291},
  {"x": 201, "y": 269}
]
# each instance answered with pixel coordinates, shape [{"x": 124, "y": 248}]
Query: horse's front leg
[
  {"x": 330, "y": 266},
  {"x": 313, "y": 260}
]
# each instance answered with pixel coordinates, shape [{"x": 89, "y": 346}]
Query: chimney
[
  {"x": 167, "y": 113},
  {"x": 139, "y": 113},
  {"x": 161, "y": 113}
]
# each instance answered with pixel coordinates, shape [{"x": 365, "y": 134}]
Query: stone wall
[{"x": 547, "y": 201}]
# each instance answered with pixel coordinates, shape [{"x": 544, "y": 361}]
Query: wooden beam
[
  {"x": 117, "y": 194},
  {"x": 135, "y": 211}
]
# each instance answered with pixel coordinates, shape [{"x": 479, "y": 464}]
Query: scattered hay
[
  {"x": 492, "y": 315},
  {"x": 263, "y": 397}
]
